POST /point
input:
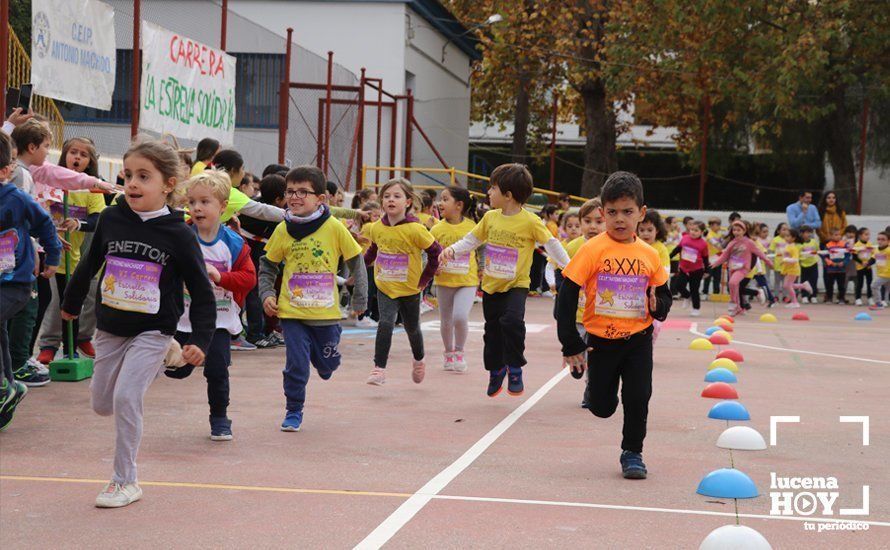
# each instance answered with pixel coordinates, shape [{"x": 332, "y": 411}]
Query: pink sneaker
[
  {"x": 377, "y": 377},
  {"x": 459, "y": 364},
  {"x": 418, "y": 371},
  {"x": 448, "y": 365}
]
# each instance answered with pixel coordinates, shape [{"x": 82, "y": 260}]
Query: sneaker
[
  {"x": 28, "y": 375},
  {"x": 458, "y": 362},
  {"x": 86, "y": 349},
  {"x": 220, "y": 429},
  {"x": 47, "y": 355},
  {"x": 366, "y": 322},
  {"x": 704, "y": 297},
  {"x": 377, "y": 377},
  {"x": 15, "y": 392},
  {"x": 116, "y": 495},
  {"x": 792, "y": 305},
  {"x": 547, "y": 294},
  {"x": 858, "y": 301},
  {"x": 871, "y": 301},
  {"x": 418, "y": 370},
  {"x": 477, "y": 299},
  {"x": 425, "y": 307},
  {"x": 292, "y": 422},
  {"x": 805, "y": 300},
  {"x": 695, "y": 313},
  {"x": 496, "y": 381},
  {"x": 515, "y": 386},
  {"x": 38, "y": 366},
  {"x": 448, "y": 364},
  {"x": 632, "y": 465},
  {"x": 241, "y": 344},
  {"x": 277, "y": 338},
  {"x": 807, "y": 287}
]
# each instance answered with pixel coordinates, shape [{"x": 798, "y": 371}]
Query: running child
[
  {"x": 510, "y": 234},
  {"x": 20, "y": 219},
  {"x": 738, "y": 254},
  {"x": 232, "y": 274},
  {"x": 311, "y": 244},
  {"x": 790, "y": 268},
  {"x": 693, "y": 251},
  {"x": 398, "y": 241},
  {"x": 148, "y": 252},
  {"x": 863, "y": 255},
  {"x": 456, "y": 280},
  {"x": 626, "y": 289},
  {"x": 882, "y": 261}
]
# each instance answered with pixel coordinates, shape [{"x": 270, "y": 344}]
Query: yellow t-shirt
[
  {"x": 553, "y": 227},
  {"x": 237, "y": 200},
  {"x": 882, "y": 262},
  {"x": 197, "y": 168},
  {"x": 615, "y": 277},
  {"x": 863, "y": 251},
  {"x": 715, "y": 244},
  {"x": 309, "y": 283},
  {"x": 80, "y": 205},
  {"x": 572, "y": 248},
  {"x": 509, "y": 244},
  {"x": 426, "y": 220},
  {"x": 366, "y": 233},
  {"x": 463, "y": 270},
  {"x": 398, "y": 265},
  {"x": 663, "y": 254},
  {"x": 809, "y": 253},
  {"x": 790, "y": 260},
  {"x": 777, "y": 246}
]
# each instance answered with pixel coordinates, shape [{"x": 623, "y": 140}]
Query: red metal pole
[
  {"x": 553, "y": 144},
  {"x": 703, "y": 170},
  {"x": 863, "y": 137},
  {"x": 327, "y": 115},
  {"x": 360, "y": 157},
  {"x": 379, "y": 127},
  {"x": 409, "y": 116},
  {"x": 4, "y": 53},
  {"x": 284, "y": 99},
  {"x": 393, "y": 128},
  {"x": 137, "y": 69},
  {"x": 225, "y": 20}
]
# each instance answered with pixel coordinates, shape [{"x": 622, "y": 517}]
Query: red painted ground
[{"x": 396, "y": 438}]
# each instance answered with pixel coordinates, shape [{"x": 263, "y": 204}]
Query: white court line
[
  {"x": 651, "y": 509},
  {"x": 403, "y": 514},
  {"x": 694, "y": 330}
]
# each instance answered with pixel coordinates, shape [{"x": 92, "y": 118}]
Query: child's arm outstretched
[
  {"x": 555, "y": 250},
  {"x": 60, "y": 177},
  {"x": 468, "y": 243}
]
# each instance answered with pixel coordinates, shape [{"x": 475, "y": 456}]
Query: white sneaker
[
  {"x": 425, "y": 307},
  {"x": 366, "y": 322},
  {"x": 792, "y": 305},
  {"x": 39, "y": 367},
  {"x": 377, "y": 377},
  {"x": 458, "y": 363},
  {"x": 858, "y": 301},
  {"x": 448, "y": 365},
  {"x": 704, "y": 297},
  {"x": 115, "y": 495},
  {"x": 871, "y": 301},
  {"x": 547, "y": 294},
  {"x": 805, "y": 300},
  {"x": 695, "y": 312},
  {"x": 808, "y": 287}
]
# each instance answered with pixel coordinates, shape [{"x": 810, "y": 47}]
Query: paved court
[{"x": 441, "y": 465}]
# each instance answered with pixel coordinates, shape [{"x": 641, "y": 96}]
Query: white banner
[
  {"x": 73, "y": 51},
  {"x": 188, "y": 88}
]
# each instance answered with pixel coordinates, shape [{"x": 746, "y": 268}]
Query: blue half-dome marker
[
  {"x": 712, "y": 330},
  {"x": 862, "y": 317},
  {"x": 727, "y": 483},
  {"x": 729, "y": 410},
  {"x": 721, "y": 375}
]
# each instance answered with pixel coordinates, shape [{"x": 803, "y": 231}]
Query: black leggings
[
  {"x": 693, "y": 280},
  {"x": 216, "y": 370},
  {"x": 863, "y": 275}
]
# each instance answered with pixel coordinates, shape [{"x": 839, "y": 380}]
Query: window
[{"x": 257, "y": 81}]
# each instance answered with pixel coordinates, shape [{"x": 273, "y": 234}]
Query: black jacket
[{"x": 166, "y": 241}]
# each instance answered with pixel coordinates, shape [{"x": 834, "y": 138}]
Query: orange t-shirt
[{"x": 615, "y": 277}]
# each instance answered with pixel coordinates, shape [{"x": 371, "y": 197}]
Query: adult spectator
[
  {"x": 803, "y": 212},
  {"x": 832, "y": 215}
]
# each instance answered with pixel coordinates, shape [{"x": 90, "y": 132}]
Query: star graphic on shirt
[{"x": 607, "y": 297}]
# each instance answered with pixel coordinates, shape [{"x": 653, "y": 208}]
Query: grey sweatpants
[
  {"x": 876, "y": 288},
  {"x": 123, "y": 370},
  {"x": 51, "y": 328},
  {"x": 454, "y": 313}
]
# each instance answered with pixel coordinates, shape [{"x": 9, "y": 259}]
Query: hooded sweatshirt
[
  {"x": 20, "y": 219},
  {"x": 145, "y": 266}
]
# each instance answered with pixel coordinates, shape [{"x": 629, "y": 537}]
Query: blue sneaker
[
  {"x": 292, "y": 421},
  {"x": 632, "y": 465},
  {"x": 515, "y": 386},
  {"x": 241, "y": 344},
  {"x": 496, "y": 381},
  {"x": 220, "y": 429}
]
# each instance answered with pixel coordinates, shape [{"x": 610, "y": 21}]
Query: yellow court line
[{"x": 214, "y": 486}]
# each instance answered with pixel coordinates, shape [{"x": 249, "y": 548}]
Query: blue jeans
[{"x": 305, "y": 344}]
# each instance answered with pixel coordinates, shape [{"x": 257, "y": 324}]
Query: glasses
[{"x": 299, "y": 193}]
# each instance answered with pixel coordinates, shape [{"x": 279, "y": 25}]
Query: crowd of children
[{"x": 180, "y": 263}]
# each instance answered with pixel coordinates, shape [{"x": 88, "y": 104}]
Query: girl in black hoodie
[{"x": 148, "y": 253}]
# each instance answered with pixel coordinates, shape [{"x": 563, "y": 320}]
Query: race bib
[
  {"x": 223, "y": 296},
  {"x": 9, "y": 239},
  {"x": 500, "y": 261},
  {"x": 808, "y": 251},
  {"x": 57, "y": 211},
  {"x": 837, "y": 253},
  {"x": 460, "y": 265},
  {"x": 864, "y": 254},
  {"x": 689, "y": 254},
  {"x": 881, "y": 260},
  {"x": 621, "y": 296},
  {"x": 311, "y": 290},
  {"x": 736, "y": 262},
  {"x": 131, "y": 285},
  {"x": 392, "y": 267}
]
